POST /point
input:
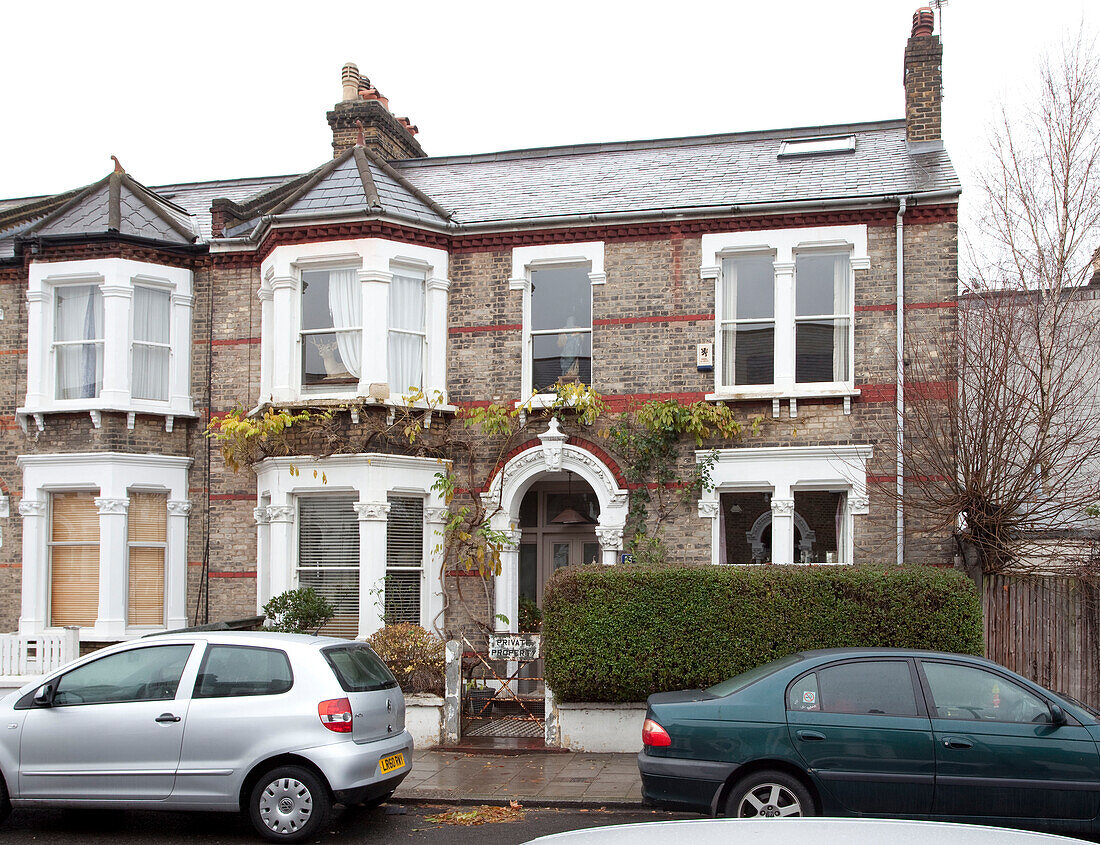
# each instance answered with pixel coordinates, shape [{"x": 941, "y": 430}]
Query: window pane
[
  {"x": 79, "y": 370},
  {"x": 79, "y": 313},
  {"x": 748, "y": 288},
  {"x": 74, "y": 569},
  {"x": 405, "y": 531},
  {"x": 821, "y": 350},
  {"x": 870, "y": 687},
  {"x": 75, "y": 517},
  {"x": 140, "y": 674},
  {"x": 331, "y": 358},
  {"x": 407, "y": 303},
  {"x": 803, "y": 694},
  {"x": 402, "y": 596},
  {"x": 748, "y": 352},
  {"x": 315, "y": 295},
  {"x": 328, "y": 557},
  {"x": 582, "y": 501},
  {"x": 528, "y": 571},
  {"x": 406, "y": 352},
  {"x": 819, "y": 526},
  {"x": 241, "y": 670},
  {"x": 565, "y": 357},
  {"x": 529, "y": 510},
  {"x": 590, "y": 553},
  {"x": 561, "y": 298},
  {"x": 148, "y": 517},
  {"x": 150, "y": 372},
  {"x": 745, "y": 524},
  {"x": 151, "y": 310},
  {"x": 821, "y": 284},
  {"x": 145, "y": 604},
  {"x": 963, "y": 692},
  {"x": 358, "y": 669}
]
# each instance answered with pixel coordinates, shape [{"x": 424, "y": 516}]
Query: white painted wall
[
  {"x": 601, "y": 728},
  {"x": 424, "y": 719}
]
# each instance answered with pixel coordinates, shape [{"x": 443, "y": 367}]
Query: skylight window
[{"x": 818, "y": 146}]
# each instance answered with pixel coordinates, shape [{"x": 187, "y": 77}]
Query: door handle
[
  {"x": 957, "y": 742},
  {"x": 811, "y": 736},
  {"x": 167, "y": 717}
]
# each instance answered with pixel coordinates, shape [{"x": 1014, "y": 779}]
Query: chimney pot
[
  {"x": 924, "y": 19},
  {"x": 363, "y": 117},
  {"x": 349, "y": 78}
]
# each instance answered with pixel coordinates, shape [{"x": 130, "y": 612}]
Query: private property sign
[{"x": 513, "y": 647}]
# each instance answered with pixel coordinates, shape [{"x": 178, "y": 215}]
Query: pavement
[{"x": 565, "y": 779}]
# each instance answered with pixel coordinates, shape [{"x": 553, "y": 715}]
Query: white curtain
[
  {"x": 841, "y": 280},
  {"x": 406, "y": 336},
  {"x": 344, "y": 305},
  {"x": 79, "y": 317},
  {"x": 152, "y": 316}
]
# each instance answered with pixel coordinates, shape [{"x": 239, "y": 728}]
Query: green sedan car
[{"x": 876, "y": 732}]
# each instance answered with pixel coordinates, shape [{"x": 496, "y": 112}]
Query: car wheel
[
  {"x": 289, "y": 804},
  {"x": 769, "y": 795}
]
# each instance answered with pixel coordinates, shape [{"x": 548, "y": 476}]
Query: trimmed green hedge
[{"x": 620, "y": 633}]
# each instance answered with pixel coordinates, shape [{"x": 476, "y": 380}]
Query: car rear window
[
  {"x": 358, "y": 669},
  {"x": 232, "y": 670},
  {"x": 739, "y": 682}
]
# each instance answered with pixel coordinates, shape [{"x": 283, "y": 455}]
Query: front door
[
  {"x": 998, "y": 754},
  {"x": 114, "y": 729}
]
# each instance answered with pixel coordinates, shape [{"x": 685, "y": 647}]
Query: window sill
[
  {"x": 768, "y": 391},
  {"x": 351, "y": 401},
  {"x": 95, "y": 410}
]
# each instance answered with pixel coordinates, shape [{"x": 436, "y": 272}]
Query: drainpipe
[{"x": 900, "y": 376}]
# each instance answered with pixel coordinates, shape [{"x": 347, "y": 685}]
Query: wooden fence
[
  {"x": 1046, "y": 628},
  {"x": 37, "y": 654}
]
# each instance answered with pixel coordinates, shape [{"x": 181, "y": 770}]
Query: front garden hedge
[{"x": 620, "y": 633}]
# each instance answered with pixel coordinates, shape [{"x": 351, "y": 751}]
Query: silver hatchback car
[{"x": 279, "y": 725}]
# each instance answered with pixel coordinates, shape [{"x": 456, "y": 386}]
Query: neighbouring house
[{"x": 764, "y": 270}]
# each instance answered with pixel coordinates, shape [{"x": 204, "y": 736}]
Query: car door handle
[
  {"x": 811, "y": 736},
  {"x": 167, "y": 717},
  {"x": 956, "y": 742}
]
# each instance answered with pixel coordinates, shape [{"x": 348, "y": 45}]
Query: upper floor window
[
  {"x": 332, "y": 342},
  {"x": 108, "y": 334},
  {"x": 78, "y": 341},
  {"x": 783, "y": 304},
  {"x": 407, "y": 334},
  {"x": 561, "y": 326}
]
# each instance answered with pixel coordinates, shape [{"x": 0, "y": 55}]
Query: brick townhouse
[{"x": 131, "y": 314}]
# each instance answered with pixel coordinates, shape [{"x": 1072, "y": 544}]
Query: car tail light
[
  {"x": 335, "y": 715},
  {"x": 654, "y": 735}
]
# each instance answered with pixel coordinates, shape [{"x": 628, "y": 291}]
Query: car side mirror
[
  {"x": 1057, "y": 715},
  {"x": 43, "y": 696}
]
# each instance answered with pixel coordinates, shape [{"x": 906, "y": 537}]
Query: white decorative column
[
  {"x": 373, "y": 517},
  {"x": 376, "y": 318},
  {"x": 281, "y": 520},
  {"x": 610, "y": 538},
  {"x": 506, "y": 586},
  {"x": 431, "y": 606},
  {"x": 113, "y": 594},
  {"x": 782, "y": 529},
  {"x": 784, "y": 328},
  {"x": 710, "y": 509},
  {"x": 116, "y": 343},
  {"x": 33, "y": 612},
  {"x": 268, "y": 340},
  {"x": 175, "y": 560},
  {"x": 858, "y": 505},
  {"x": 38, "y": 348},
  {"x": 263, "y": 556},
  {"x": 435, "y": 365},
  {"x": 285, "y": 341},
  {"x": 180, "y": 357}
]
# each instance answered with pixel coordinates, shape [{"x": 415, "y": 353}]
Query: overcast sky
[{"x": 196, "y": 91}]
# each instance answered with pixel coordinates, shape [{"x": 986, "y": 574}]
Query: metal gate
[{"x": 503, "y": 693}]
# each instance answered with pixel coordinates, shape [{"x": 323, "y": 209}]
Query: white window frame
[
  {"x": 376, "y": 260},
  {"x": 419, "y": 272},
  {"x": 309, "y": 266},
  {"x": 55, "y": 343},
  {"x": 374, "y": 477},
  {"x": 525, "y": 259},
  {"x": 785, "y": 470},
  {"x": 114, "y": 475},
  {"x": 116, "y": 278},
  {"x": 150, "y": 284},
  {"x": 785, "y": 245}
]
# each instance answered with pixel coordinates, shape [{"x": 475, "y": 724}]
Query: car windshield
[
  {"x": 739, "y": 682},
  {"x": 358, "y": 669}
]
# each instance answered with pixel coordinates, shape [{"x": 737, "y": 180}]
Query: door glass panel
[
  {"x": 591, "y": 553},
  {"x": 528, "y": 571},
  {"x": 559, "y": 556},
  {"x": 963, "y": 692},
  {"x": 242, "y": 670},
  {"x": 803, "y": 694},
  {"x": 883, "y": 688},
  {"x": 140, "y": 674}
]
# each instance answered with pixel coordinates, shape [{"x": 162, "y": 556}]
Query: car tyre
[
  {"x": 5, "y": 801},
  {"x": 769, "y": 794},
  {"x": 289, "y": 804}
]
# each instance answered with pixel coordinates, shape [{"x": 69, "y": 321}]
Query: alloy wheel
[{"x": 768, "y": 801}]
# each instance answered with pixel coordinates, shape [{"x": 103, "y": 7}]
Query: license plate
[{"x": 391, "y": 763}]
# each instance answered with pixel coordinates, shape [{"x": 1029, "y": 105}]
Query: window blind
[
  {"x": 404, "y": 559},
  {"x": 147, "y": 525},
  {"x": 328, "y": 557},
  {"x": 74, "y": 559}
]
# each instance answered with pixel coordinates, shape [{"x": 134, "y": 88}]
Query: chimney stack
[
  {"x": 364, "y": 112},
  {"x": 923, "y": 82}
]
